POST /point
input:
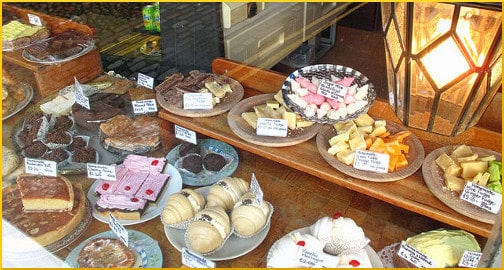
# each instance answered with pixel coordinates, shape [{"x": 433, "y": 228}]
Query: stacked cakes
[{"x": 228, "y": 208}]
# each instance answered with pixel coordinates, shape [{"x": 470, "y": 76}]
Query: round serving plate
[
  {"x": 415, "y": 156},
  {"x": 28, "y": 89},
  {"x": 433, "y": 177},
  {"x": 246, "y": 132},
  {"x": 226, "y": 103},
  {"x": 85, "y": 48}
]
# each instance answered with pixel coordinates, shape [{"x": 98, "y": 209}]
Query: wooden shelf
[{"x": 410, "y": 193}]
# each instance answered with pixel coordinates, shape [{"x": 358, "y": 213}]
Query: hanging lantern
[{"x": 444, "y": 62}]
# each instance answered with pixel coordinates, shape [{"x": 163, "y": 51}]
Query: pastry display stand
[
  {"x": 51, "y": 78},
  {"x": 410, "y": 193}
]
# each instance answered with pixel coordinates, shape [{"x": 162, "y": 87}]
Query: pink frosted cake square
[
  {"x": 108, "y": 186},
  {"x": 144, "y": 164},
  {"x": 152, "y": 186},
  {"x": 130, "y": 183}
]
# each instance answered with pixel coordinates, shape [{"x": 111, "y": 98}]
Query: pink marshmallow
[
  {"x": 314, "y": 99},
  {"x": 305, "y": 83},
  {"x": 334, "y": 103},
  {"x": 346, "y": 81}
]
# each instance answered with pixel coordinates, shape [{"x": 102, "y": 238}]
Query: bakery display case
[{"x": 282, "y": 195}]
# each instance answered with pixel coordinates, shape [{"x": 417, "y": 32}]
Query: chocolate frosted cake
[
  {"x": 187, "y": 148},
  {"x": 193, "y": 163},
  {"x": 214, "y": 162}
]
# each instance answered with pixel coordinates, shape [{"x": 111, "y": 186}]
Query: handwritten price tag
[
  {"x": 470, "y": 259},
  {"x": 482, "y": 197},
  {"x": 271, "y": 127},
  {"x": 414, "y": 256},
  {"x": 313, "y": 259},
  {"x": 185, "y": 134},
  {"x": 332, "y": 90},
  {"x": 198, "y": 101},
  {"x": 144, "y": 106},
  {"x": 34, "y": 19},
  {"x": 79, "y": 96},
  {"x": 194, "y": 260},
  {"x": 371, "y": 161},
  {"x": 41, "y": 167},
  {"x": 255, "y": 188},
  {"x": 118, "y": 229},
  {"x": 145, "y": 81},
  {"x": 99, "y": 171}
]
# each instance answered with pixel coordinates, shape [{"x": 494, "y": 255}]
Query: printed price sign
[
  {"x": 99, "y": 171},
  {"x": 482, "y": 197},
  {"x": 255, "y": 188},
  {"x": 194, "y": 260},
  {"x": 144, "y": 106},
  {"x": 145, "y": 81},
  {"x": 185, "y": 134},
  {"x": 118, "y": 229},
  {"x": 198, "y": 101},
  {"x": 34, "y": 19},
  {"x": 371, "y": 161},
  {"x": 41, "y": 167},
  {"x": 414, "y": 256},
  {"x": 271, "y": 127},
  {"x": 313, "y": 259},
  {"x": 470, "y": 259},
  {"x": 79, "y": 96},
  {"x": 332, "y": 90}
]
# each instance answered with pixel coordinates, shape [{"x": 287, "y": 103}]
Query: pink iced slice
[{"x": 152, "y": 186}]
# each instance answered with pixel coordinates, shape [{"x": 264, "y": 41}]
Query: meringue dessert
[
  {"x": 249, "y": 215},
  {"x": 226, "y": 192},
  {"x": 182, "y": 206},
  {"x": 209, "y": 230}
]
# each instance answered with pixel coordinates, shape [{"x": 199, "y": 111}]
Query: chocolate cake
[
  {"x": 57, "y": 155},
  {"x": 84, "y": 155},
  {"x": 58, "y": 136},
  {"x": 214, "y": 162},
  {"x": 187, "y": 148},
  {"x": 193, "y": 163},
  {"x": 62, "y": 122},
  {"x": 35, "y": 150},
  {"x": 78, "y": 142}
]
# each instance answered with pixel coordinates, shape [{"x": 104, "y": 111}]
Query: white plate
[
  {"x": 150, "y": 252},
  {"x": 373, "y": 256},
  {"x": 23, "y": 103},
  {"x": 87, "y": 47},
  {"x": 234, "y": 246},
  {"x": 174, "y": 185}
]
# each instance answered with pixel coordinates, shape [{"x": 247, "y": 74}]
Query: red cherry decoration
[
  {"x": 337, "y": 215},
  {"x": 354, "y": 263},
  {"x": 105, "y": 186},
  {"x": 134, "y": 199},
  {"x": 154, "y": 162},
  {"x": 149, "y": 191},
  {"x": 301, "y": 243},
  {"x": 127, "y": 188}
]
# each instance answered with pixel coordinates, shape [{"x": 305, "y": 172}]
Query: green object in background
[{"x": 495, "y": 180}]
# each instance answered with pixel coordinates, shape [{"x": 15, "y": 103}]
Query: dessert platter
[
  {"x": 433, "y": 177},
  {"x": 19, "y": 105},
  {"x": 233, "y": 246},
  {"x": 248, "y": 133},
  {"x": 203, "y": 176},
  {"x": 151, "y": 48},
  {"x": 148, "y": 255},
  {"x": 58, "y": 49},
  {"x": 226, "y": 92},
  {"x": 154, "y": 209},
  {"x": 17, "y": 34},
  {"x": 415, "y": 155}
]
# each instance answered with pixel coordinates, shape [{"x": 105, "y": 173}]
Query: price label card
[
  {"x": 144, "y": 106},
  {"x": 482, "y": 197},
  {"x": 332, "y": 90},
  {"x": 100, "y": 171},
  {"x": 470, "y": 259},
  {"x": 414, "y": 256},
  {"x": 271, "y": 127},
  {"x": 79, "y": 96},
  {"x": 145, "y": 81},
  {"x": 118, "y": 229},
  {"x": 34, "y": 19},
  {"x": 41, "y": 167},
  {"x": 185, "y": 134},
  {"x": 255, "y": 188},
  {"x": 371, "y": 161},
  {"x": 198, "y": 101},
  {"x": 313, "y": 259},
  {"x": 194, "y": 260}
]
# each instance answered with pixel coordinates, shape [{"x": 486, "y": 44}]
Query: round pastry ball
[
  {"x": 226, "y": 192},
  {"x": 209, "y": 230},
  {"x": 182, "y": 206},
  {"x": 249, "y": 216}
]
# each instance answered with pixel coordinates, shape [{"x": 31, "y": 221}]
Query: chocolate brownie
[
  {"x": 214, "y": 162},
  {"x": 193, "y": 163},
  {"x": 187, "y": 148}
]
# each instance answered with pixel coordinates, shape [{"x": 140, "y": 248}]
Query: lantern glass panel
[
  {"x": 394, "y": 44},
  {"x": 421, "y": 98},
  {"x": 385, "y": 12},
  {"x": 430, "y": 21}
]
